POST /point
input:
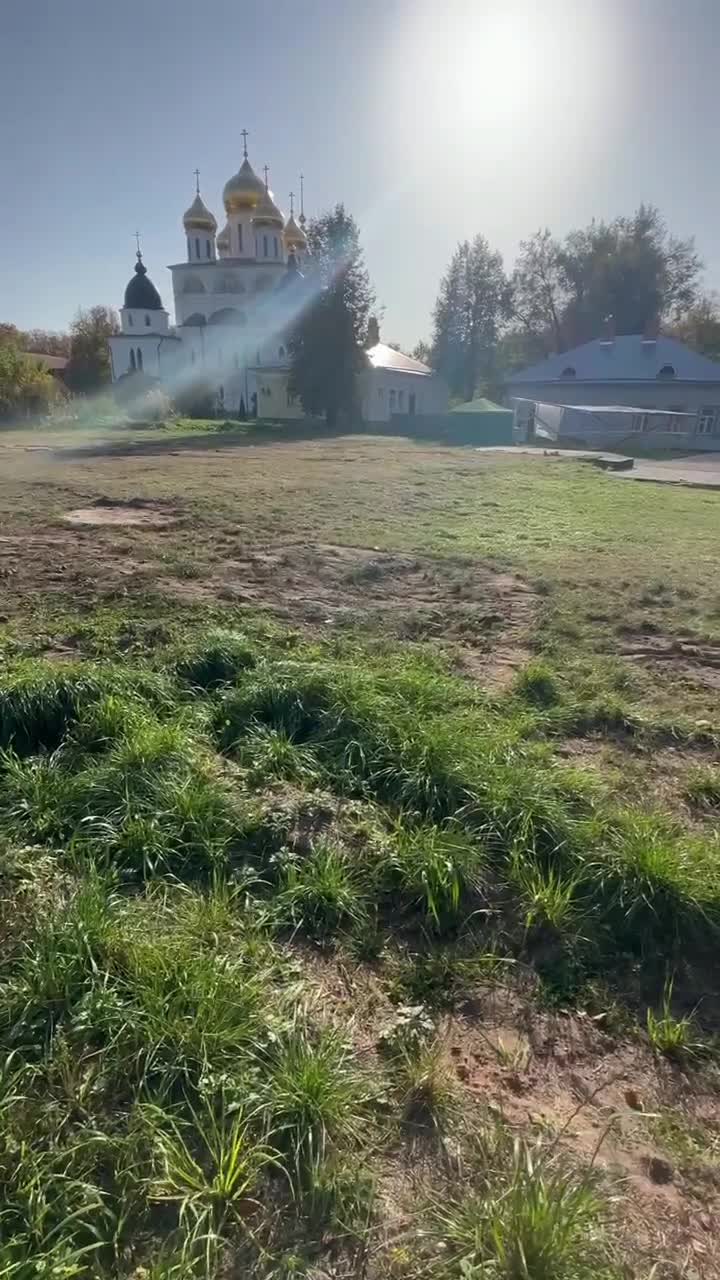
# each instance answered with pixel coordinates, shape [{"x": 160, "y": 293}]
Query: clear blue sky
[{"x": 431, "y": 121}]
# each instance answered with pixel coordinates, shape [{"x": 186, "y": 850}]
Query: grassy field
[{"x": 361, "y": 892}]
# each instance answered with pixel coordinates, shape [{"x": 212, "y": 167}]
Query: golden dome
[
  {"x": 244, "y": 190},
  {"x": 198, "y": 215},
  {"x": 267, "y": 212},
  {"x": 295, "y": 237}
]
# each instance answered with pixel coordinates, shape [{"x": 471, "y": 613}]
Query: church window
[
  {"x": 192, "y": 357},
  {"x": 147, "y": 321},
  {"x": 275, "y": 245},
  {"x": 130, "y": 319},
  {"x": 132, "y": 358},
  {"x": 239, "y": 238},
  {"x": 392, "y": 400},
  {"x": 207, "y": 248},
  {"x": 139, "y": 359},
  {"x": 281, "y": 353},
  {"x": 265, "y": 246},
  {"x": 401, "y": 399},
  {"x": 197, "y": 246}
]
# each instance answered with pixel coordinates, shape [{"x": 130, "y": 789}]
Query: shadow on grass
[{"x": 233, "y": 435}]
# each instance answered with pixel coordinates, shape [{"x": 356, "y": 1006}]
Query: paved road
[{"x": 696, "y": 469}]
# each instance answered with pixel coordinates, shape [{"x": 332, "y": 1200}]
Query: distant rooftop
[
  {"x": 50, "y": 362},
  {"x": 631, "y": 358},
  {"x": 480, "y": 405},
  {"x": 383, "y": 357}
]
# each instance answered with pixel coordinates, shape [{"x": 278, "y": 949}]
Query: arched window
[
  {"x": 207, "y": 248},
  {"x": 139, "y": 359},
  {"x": 147, "y": 321},
  {"x": 275, "y": 244},
  {"x": 281, "y": 353},
  {"x": 667, "y": 371},
  {"x": 265, "y": 246},
  {"x": 130, "y": 319},
  {"x": 192, "y": 357},
  {"x": 568, "y": 372},
  {"x": 132, "y": 359},
  {"x": 239, "y": 237},
  {"x": 197, "y": 246}
]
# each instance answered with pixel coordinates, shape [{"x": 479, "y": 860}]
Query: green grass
[{"x": 248, "y": 871}]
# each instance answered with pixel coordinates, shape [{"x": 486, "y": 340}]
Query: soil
[
  {"x": 689, "y": 659},
  {"x": 134, "y": 512}
]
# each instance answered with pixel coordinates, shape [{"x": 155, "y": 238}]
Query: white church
[{"x": 236, "y": 296}]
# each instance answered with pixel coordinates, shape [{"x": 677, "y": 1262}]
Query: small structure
[
  {"x": 486, "y": 423},
  {"x": 647, "y": 374},
  {"x": 601, "y": 426},
  {"x": 396, "y": 385}
]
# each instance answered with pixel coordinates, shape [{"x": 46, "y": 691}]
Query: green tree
[
  {"x": 631, "y": 268},
  {"x": 89, "y": 367},
  {"x": 326, "y": 345},
  {"x": 422, "y": 351},
  {"x": 25, "y": 386},
  {"x": 473, "y": 303},
  {"x": 699, "y": 327}
]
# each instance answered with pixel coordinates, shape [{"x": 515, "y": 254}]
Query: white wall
[
  {"x": 386, "y": 392},
  {"x": 150, "y": 347},
  {"x": 135, "y": 321},
  {"x": 249, "y": 281},
  {"x": 681, "y": 397}
]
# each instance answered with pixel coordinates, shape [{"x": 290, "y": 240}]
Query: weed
[
  {"x": 435, "y": 869},
  {"x": 548, "y": 896},
  {"x": 322, "y": 891},
  {"x": 531, "y": 1220},
  {"x": 270, "y": 755},
  {"x": 670, "y": 1035},
  {"x": 216, "y": 659},
  {"x": 423, "y": 1081},
  {"x": 317, "y": 1097},
  {"x": 537, "y": 685},
  {"x": 702, "y": 788}
]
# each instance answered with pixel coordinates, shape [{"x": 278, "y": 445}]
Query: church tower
[{"x": 200, "y": 228}]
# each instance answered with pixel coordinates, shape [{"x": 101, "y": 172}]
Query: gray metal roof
[
  {"x": 383, "y": 357},
  {"x": 630, "y": 358}
]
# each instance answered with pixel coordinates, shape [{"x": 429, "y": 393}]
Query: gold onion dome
[
  {"x": 244, "y": 190},
  {"x": 198, "y": 215},
  {"x": 294, "y": 235},
  {"x": 267, "y": 211}
]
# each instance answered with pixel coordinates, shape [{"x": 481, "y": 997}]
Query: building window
[
  {"x": 381, "y": 392},
  {"x": 401, "y": 400},
  {"x": 139, "y": 359},
  {"x": 130, "y": 319},
  {"x": 239, "y": 237},
  {"x": 667, "y": 371},
  {"x": 197, "y": 246},
  {"x": 290, "y": 400},
  {"x": 257, "y": 358},
  {"x": 277, "y": 251},
  {"x": 147, "y": 321},
  {"x": 192, "y": 357},
  {"x": 281, "y": 353},
  {"x": 640, "y": 422},
  {"x": 132, "y": 359},
  {"x": 568, "y": 372},
  {"x": 392, "y": 400},
  {"x": 708, "y": 423},
  {"x": 265, "y": 246}
]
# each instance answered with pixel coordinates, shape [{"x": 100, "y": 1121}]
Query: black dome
[{"x": 141, "y": 293}]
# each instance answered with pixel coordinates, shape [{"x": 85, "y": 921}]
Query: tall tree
[
  {"x": 540, "y": 290},
  {"x": 473, "y": 302},
  {"x": 699, "y": 327},
  {"x": 422, "y": 351},
  {"x": 326, "y": 345},
  {"x": 89, "y": 363},
  {"x": 631, "y": 268}
]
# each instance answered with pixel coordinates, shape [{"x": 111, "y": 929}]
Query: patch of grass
[
  {"x": 436, "y": 870},
  {"x": 271, "y": 755},
  {"x": 321, "y": 891},
  {"x": 702, "y": 787},
  {"x": 532, "y": 1219},
  {"x": 317, "y": 1097},
  {"x": 548, "y": 896},
  {"x": 667, "y": 1034},
  {"x": 216, "y": 659},
  {"x": 537, "y": 685}
]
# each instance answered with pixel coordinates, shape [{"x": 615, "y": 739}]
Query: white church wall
[{"x": 136, "y": 322}]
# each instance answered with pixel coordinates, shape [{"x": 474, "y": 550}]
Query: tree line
[
  {"x": 26, "y": 387},
  {"x": 631, "y": 272}
]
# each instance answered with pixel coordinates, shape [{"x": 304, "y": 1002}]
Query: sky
[{"x": 430, "y": 121}]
